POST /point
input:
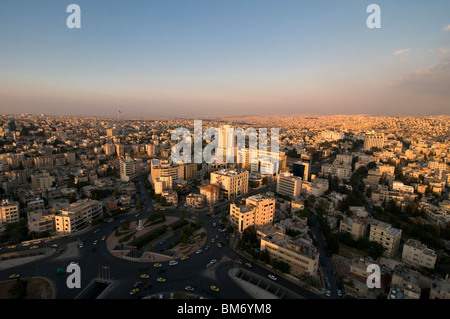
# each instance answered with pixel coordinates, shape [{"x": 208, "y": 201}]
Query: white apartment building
[
  {"x": 373, "y": 140},
  {"x": 77, "y": 216},
  {"x": 42, "y": 181},
  {"x": 40, "y": 220},
  {"x": 354, "y": 226},
  {"x": 163, "y": 168},
  {"x": 266, "y": 162},
  {"x": 400, "y": 187},
  {"x": 288, "y": 184},
  {"x": 128, "y": 169},
  {"x": 163, "y": 183},
  {"x": 416, "y": 254},
  {"x": 257, "y": 211},
  {"x": 9, "y": 212},
  {"x": 386, "y": 235},
  {"x": 231, "y": 183}
]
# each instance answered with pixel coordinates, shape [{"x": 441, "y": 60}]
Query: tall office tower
[
  {"x": 373, "y": 140},
  {"x": 302, "y": 169}
]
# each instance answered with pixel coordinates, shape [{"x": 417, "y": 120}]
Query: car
[
  {"x": 214, "y": 288},
  {"x": 95, "y": 242},
  {"x": 212, "y": 240},
  {"x": 80, "y": 245},
  {"x": 73, "y": 263},
  {"x": 207, "y": 247},
  {"x": 34, "y": 247},
  {"x": 208, "y": 265},
  {"x": 339, "y": 292},
  {"x": 189, "y": 288},
  {"x": 137, "y": 284},
  {"x": 328, "y": 293},
  {"x": 14, "y": 276},
  {"x": 213, "y": 261},
  {"x": 96, "y": 231},
  {"x": 161, "y": 279},
  {"x": 273, "y": 277},
  {"x": 148, "y": 285},
  {"x": 249, "y": 265},
  {"x": 12, "y": 246},
  {"x": 219, "y": 245},
  {"x": 145, "y": 276},
  {"x": 173, "y": 263},
  {"x": 184, "y": 257},
  {"x": 198, "y": 251},
  {"x": 162, "y": 242},
  {"x": 172, "y": 295},
  {"x": 61, "y": 271},
  {"x": 134, "y": 291},
  {"x": 157, "y": 265},
  {"x": 104, "y": 237}
]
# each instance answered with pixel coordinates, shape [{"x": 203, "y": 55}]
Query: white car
[
  {"x": 272, "y": 277},
  {"x": 198, "y": 251},
  {"x": 173, "y": 263}
]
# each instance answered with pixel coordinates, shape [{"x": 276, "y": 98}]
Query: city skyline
[{"x": 205, "y": 58}]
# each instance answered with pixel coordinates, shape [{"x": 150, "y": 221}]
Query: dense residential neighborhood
[{"x": 340, "y": 193}]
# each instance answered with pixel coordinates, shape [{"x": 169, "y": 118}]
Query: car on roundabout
[
  {"x": 157, "y": 265},
  {"x": 214, "y": 288},
  {"x": 134, "y": 291},
  {"x": 161, "y": 279},
  {"x": 249, "y": 265},
  {"x": 184, "y": 257},
  {"x": 145, "y": 276},
  {"x": 14, "y": 276}
]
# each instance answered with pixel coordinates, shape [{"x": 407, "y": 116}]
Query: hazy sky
[{"x": 224, "y": 57}]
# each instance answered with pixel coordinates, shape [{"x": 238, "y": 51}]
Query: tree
[{"x": 19, "y": 289}]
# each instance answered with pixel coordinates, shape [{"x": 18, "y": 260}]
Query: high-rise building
[
  {"x": 373, "y": 140},
  {"x": 302, "y": 169},
  {"x": 128, "y": 169},
  {"x": 288, "y": 184}
]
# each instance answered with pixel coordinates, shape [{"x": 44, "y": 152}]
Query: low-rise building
[
  {"x": 418, "y": 255},
  {"x": 9, "y": 212},
  {"x": 256, "y": 210},
  {"x": 386, "y": 235},
  {"x": 302, "y": 258},
  {"x": 77, "y": 216}
]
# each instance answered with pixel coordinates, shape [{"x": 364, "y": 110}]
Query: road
[{"x": 124, "y": 273}]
